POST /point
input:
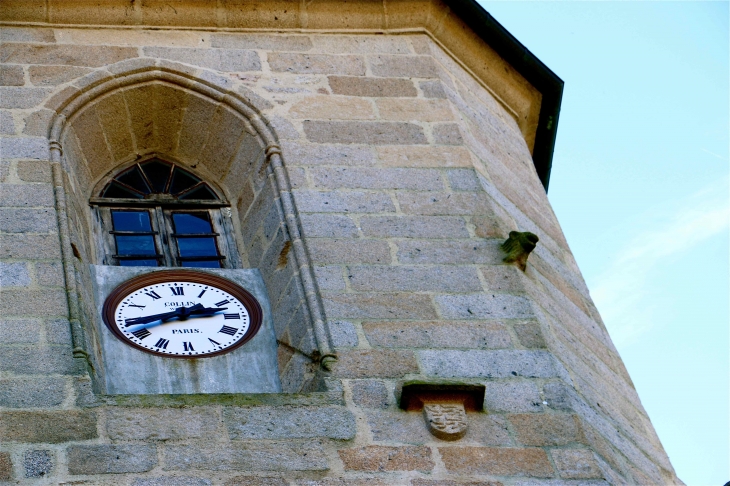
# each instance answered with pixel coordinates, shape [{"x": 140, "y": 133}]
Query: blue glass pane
[
  {"x": 210, "y": 264},
  {"x": 131, "y": 220},
  {"x": 186, "y": 223},
  {"x": 135, "y": 245},
  {"x": 196, "y": 247},
  {"x": 137, "y": 263}
]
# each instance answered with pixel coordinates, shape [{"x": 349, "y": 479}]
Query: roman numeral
[
  {"x": 232, "y": 316},
  {"x": 201, "y": 293},
  {"x": 177, "y": 291},
  {"x": 228, "y": 330},
  {"x": 162, "y": 343},
  {"x": 214, "y": 342},
  {"x": 152, "y": 294},
  {"x": 137, "y": 306},
  {"x": 141, "y": 333},
  {"x": 188, "y": 346},
  {"x": 222, "y": 302}
]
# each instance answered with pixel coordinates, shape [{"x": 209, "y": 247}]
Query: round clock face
[{"x": 182, "y": 314}]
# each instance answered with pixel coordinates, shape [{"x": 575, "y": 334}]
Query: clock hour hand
[{"x": 180, "y": 312}]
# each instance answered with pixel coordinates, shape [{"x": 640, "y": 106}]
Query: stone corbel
[{"x": 444, "y": 405}]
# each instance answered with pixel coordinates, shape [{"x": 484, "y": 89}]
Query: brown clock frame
[{"x": 136, "y": 283}]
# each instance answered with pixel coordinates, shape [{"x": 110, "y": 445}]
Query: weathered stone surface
[
  {"x": 497, "y": 461},
  {"x": 32, "y": 360},
  {"x": 49, "y": 274},
  {"x": 48, "y": 427},
  {"x": 328, "y": 226},
  {"x": 37, "y": 124},
  {"x": 403, "y": 66},
  {"x": 20, "y": 330},
  {"x": 34, "y": 171},
  {"x": 576, "y": 464},
  {"x": 26, "y": 246},
  {"x": 484, "y": 306},
  {"x": 425, "y": 157},
  {"x": 343, "y": 202},
  {"x": 375, "y": 133},
  {"x": 31, "y": 392},
  {"x": 371, "y": 87},
  {"x": 376, "y": 178},
  {"x": 370, "y": 393},
  {"x": 262, "y": 41},
  {"x": 375, "y": 364},
  {"x": 530, "y": 334},
  {"x": 383, "y": 278},
  {"x": 333, "y": 108},
  {"x": 382, "y": 458},
  {"x": 11, "y": 76},
  {"x": 111, "y": 459},
  {"x": 289, "y": 423},
  {"x": 512, "y": 396},
  {"x": 557, "y": 394},
  {"x": 32, "y": 302},
  {"x": 463, "y": 180},
  {"x": 25, "y": 34},
  {"x": 448, "y": 482},
  {"x": 256, "y": 481},
  {"x": 442, "y": 203},
  {"x": 22, "y": 147},
  {"x": 227, "y": 60},
  {"x": 413, "y": 227},
  {"x": 160, "y": 424},
  {"x": 14, "y": 274},
  {"x": 6, "y": 466},
  {"x": 487, "y": 364},
  {"x": 256, "y": 456},
  {"x": 330, "y": 278},
  {"x": 297, "y": 153},
  {"x": 325, "y": 250},
  {"x": 55, "y": 75},
  {"x": 432, "y": 89},
  {"x": 449, "y": 252},
  {"x": 361, "y": 44},
  {"x": 447, "y": 134},
  {"x": 290, "y": 62},
  {"x": 72, "y": 55},
  {"x": 416, "y": 109},
  {"x": 172, "y": 481},
  {"x": 26, "y": 195},
  {"x": 343, "y": 334},
  {"x": 546, "y": 429},
  {"x": 37, "y": 463},
  {"x": 7, "y": 127},
  {"x": 437, "y": 334},
  {"x": 379, "y": 306}
]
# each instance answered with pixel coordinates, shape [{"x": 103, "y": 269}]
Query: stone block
[
  {"x": 26, "y": 34},
  {"x": 172, "y": 481},
  {"x": 34, "y": 171},
  {"x": 341, "y": 202},
  {"x": 376, "y": 178},
  {"x": 375, "y": 364},
  {"x": 384, "y": 458},
  {"x": 487, "y": 364},
  {"x": 226, "y": 60},
  {"x": 371, "y": 87},
  {"x": 48, "y": 427},
  {"x": 55, "y": 75},
  {"x": 329, "y": 278},
  {"x": 531, "y": 462},
  {"x": 368, "y": 481},
  {"x": 333, "y": 108},
  {"x": 557, "y": 394},
  {"x": 261, "y": 104},
  {"x": 425, "y": 157},
  {"x": 58, "y": 331},
  {"x": 449, "y": 252},
  {"x": 11, "y": 76},
  {"x": 512, "y": 396},
  {"x": 546, "y": 429},
  {"x": 33, "y": 302},
  {"x": 504, "y": 278},
  {"x": 267, "y": 42},
  {"x": 14, "y": 274},
  {"x": 463, "y": 180},
  {"x": 16, "y": 331},
  {"x": 24, "y": 246},
  {"x": 325, "y": 250},
  {"x": 6, "y": 467},
  {"x": 328, "y": 226},
  {"x": 307, "y": 154},
  {"x": 361, "y": 44},
  {"x": 32, "y": 392},
  {"x": 379, "y": 306},
  {"x": 484, "y": 306},
  {"x": 576, "y": 464},
  {"x": 72, "y": 55},
  {"x": 32, "y": 360},
  {"x": 289, "y": 423},
  {"x": 22, "y": 147},
  {"x": 413, "y": 227},
  {"x": 442, "y": 203},
  {"x": 26, "y": 195},
  {"x": 448, "y": 482},
  {"x": 432, "y": 89},
  {"x": 447, "y": 134},
  {"x": 252, "y": 456},
  {"x": 370, "y": 394},
  {"x": 403, "y": 66},
  {"x": 289, "y": 62},
  {"x": 161, "y": 424},
  {"x": 374, "y": 133},
  {"x": 384, "y": 278},
  {"x": 530, "y": 334},
  {"x": 49, "y": 274},
  {"x": 7, "y": 127},
  {"x": 342, "y": 334},
  {"x": 416, "y": 109},
  {"x": 111, "y": 459},
  {"x": 37, "y": 124},
  {"x": 37, "y": 463},
  {"x": 437, "y": 334},
  {"x": 256, "y": 481}
]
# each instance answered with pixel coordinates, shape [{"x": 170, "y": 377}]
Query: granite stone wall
[{"x": 372, "y": 180}]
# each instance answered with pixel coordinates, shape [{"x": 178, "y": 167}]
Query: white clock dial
[{"x": 182, "y": 317}]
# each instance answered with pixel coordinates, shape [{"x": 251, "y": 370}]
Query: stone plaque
[{"x": 447, "y": 421}]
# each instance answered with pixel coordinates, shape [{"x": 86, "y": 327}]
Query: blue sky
[{"x": 640, "y": 186}]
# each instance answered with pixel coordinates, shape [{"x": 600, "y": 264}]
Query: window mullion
[{"x": 165, "y": 229}]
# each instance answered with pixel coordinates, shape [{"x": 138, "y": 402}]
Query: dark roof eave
[{"x": 531, "y": 68}]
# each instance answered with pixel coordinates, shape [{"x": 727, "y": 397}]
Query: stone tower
[{"x": 364, "y": 164}]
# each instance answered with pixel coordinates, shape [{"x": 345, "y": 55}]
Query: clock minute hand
[{"x": 180, "y": 312}]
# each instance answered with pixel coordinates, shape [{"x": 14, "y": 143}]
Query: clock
[{"x": 182, "y": 314}]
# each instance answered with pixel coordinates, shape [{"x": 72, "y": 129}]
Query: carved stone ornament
[
  {"x": 518, "y": 247},
  {"x": 447, "y": 421}
]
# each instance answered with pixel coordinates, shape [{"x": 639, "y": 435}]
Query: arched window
[{"x": 155, "y": 213}]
